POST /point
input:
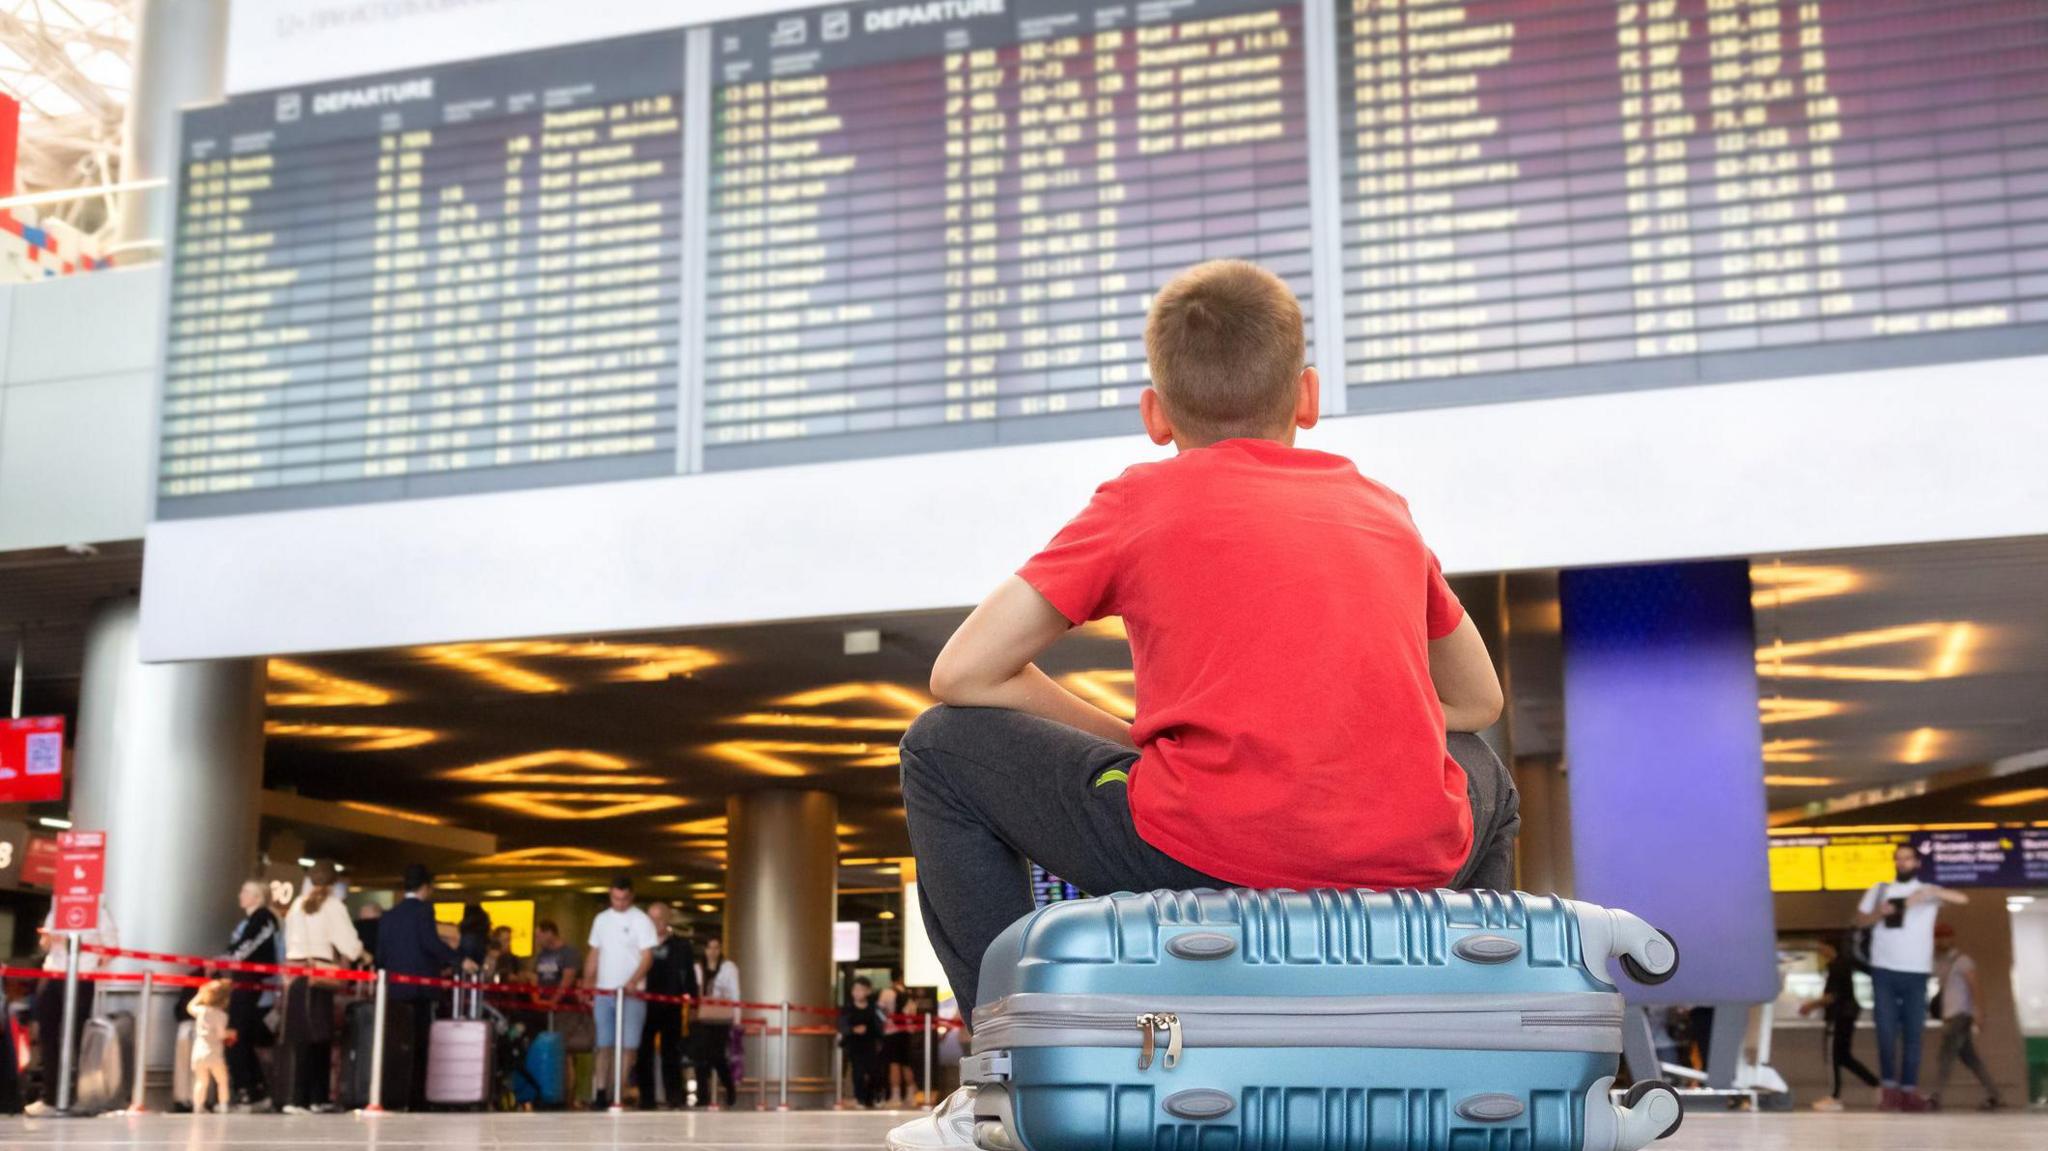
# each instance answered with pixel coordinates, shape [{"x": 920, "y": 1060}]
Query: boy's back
[
  {"x": 1298, "y": 657},
  {"x": 1280, "y": 608}
]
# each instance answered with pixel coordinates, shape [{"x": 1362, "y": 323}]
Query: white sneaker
[{"x": 950, "y": 1125}]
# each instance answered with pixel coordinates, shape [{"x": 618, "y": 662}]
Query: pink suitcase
[{"x": 459, "y": 1054}]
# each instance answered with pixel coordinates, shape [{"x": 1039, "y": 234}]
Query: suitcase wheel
[
  {"x": 1644, "y": 976},
  {"x": 989, "y": 1135},
  {"x": 1647, "y": 1093}
]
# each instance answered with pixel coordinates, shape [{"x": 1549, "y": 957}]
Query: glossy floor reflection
[{"x": 851, "y": 1131}]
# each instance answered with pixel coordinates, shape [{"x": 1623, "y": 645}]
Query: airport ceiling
[{"x": 1895, "y": 680}]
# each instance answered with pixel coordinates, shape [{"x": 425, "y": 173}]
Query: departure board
[
  {"x": 940, "y": 224},
  {"x": 461, "y": 279},
  {"x": 1564, "y": 195}
]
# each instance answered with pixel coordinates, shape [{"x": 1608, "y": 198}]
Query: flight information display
[
  {"x": 939, "y": 225},
  {"x": 453, "y": 280},
  {"x": 1570, "y": 195},
  {"x": 899, "y": 226}
]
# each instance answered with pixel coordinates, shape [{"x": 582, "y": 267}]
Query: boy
[{"x": 1298, "y": 660}]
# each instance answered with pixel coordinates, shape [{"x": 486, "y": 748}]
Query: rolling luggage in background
[
  {"x": 104, "y": 1075},
  {"x": 181, "y": 1066},
  {"x": 459, "y": 1053},
  {"x": 1313, "y": 1021},
  {"x": 359, "y": 1035},
  {"x": 545, "y": 1082}
]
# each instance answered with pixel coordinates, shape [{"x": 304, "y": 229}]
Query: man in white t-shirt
[
  {"x": 1958, "y": 975},
  {"x": 1900, "y": 916},
  {"x": 621, "y": 950}
]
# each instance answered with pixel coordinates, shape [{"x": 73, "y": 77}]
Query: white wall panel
[{"x": 1861, "y": 459}]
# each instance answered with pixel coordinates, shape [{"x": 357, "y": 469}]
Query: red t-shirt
[{"x": 1280, "y": 607}]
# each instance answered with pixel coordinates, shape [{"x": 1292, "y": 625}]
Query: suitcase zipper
[{"x": 1149, "y": 1026}]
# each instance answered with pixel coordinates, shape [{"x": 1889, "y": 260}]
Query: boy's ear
[
  {"x": 1308, "y": 404},
  {"x": 1153, "y": 411}
]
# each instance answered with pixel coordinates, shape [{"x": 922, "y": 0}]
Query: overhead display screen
[
  {"x": 940, "y": 225},
  {"x": 913, "y": 225},
  {"x": 1564, "y": 195},
  {"x": 454, "y": 280}
]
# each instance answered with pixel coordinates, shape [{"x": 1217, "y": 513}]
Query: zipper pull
[
  {"x": 1172, "y": 1025},
  {"x": 1146, "y": 1023}
]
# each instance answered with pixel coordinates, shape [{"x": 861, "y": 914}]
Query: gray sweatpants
[{"x": 986, "y": 790}]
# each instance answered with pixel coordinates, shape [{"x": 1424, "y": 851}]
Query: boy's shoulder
[{"x": 1309, "y": 466}]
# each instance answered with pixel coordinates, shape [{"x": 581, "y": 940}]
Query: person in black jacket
[
  {"x": 410, "y": 944},
  {"x": 673, "y": 972},
  {"x": 254, "y": 940},
  {"x": 1838, "y": 1007},
  {"x": 860, "y": 1035}
]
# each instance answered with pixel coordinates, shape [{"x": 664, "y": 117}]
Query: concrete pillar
[
  {"x": 170, "y": 766},
  {"x": 1666, "y": 758},
  {"x": 782, "y": 894},
  {"x": 180, "y": 58}
]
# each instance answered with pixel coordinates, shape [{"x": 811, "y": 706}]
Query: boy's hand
[{"x": 987, "y": 663}]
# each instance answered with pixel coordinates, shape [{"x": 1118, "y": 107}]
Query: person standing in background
[
  {"x": 1839, "y": 1009},
  {"x": 413, "y": 946},
  {"x": 720, "y": 980},
  {"x": 1900, "y": 916},
  {"x": 254, "y": 941},
  {"x": 673, "y": 972},
  {"x": 860, "y": 1036},
  {"x": 49, "y": 1003},
  {"x": 621, "y": 950},
  {"x": 1957, "y": 975},
  {"x": 317, "y": 933},
  {"x": 555, "y": 963},
  {"x": 367, "y": 918}
]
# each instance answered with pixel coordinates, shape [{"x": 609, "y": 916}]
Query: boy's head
[{"x": 1226, "y": 350}]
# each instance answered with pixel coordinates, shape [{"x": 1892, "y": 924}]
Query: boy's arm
[
  {"x": 1464, "y": 678},
  {"x": 987, "y": 663}
]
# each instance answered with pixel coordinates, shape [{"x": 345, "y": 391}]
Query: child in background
[{"x": 210, "y": 1039}]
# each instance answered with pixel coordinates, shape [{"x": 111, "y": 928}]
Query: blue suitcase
[
  {"x": 1313, "y": 1021},
  {"x": 544, "y": 1076}
]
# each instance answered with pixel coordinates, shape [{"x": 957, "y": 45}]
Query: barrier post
[
  {"x": 838, "y": 1077},
  {"x": 782, "y": 1095},
  {"x": 375, "y": 1104},
  {"x": 931, "y": 1087},
  {"x": 137, "y": 1104},
  {"x": 618, "y": 1050},
  {"x": 67, "y": 1047}
]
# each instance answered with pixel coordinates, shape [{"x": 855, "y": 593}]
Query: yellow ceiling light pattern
[
  {"x": 579, "y": 805},
  {"x": 784, "y": 758},
  {"x": 1952, "y": 645},
  {"x": 2019, "y": 798},
  {"x": 716, "y": 825},
  {"x": 594, "y": 767},
  {"x": 1107, "y": 688},
  {"x": 552, "y": 857},
  {"x": 1800, "y": 781},
  {"x": 393, "y": 812},
  {"x": 897, "y": 706},
  {"x": 1779, "y": 710},
  {"x": 358, "y": 737},
  {"x": 496, "y": 663},
  {"x": 1791, "y": 750},
  {"x": 1780, "y": 583},
  {"x": 294, "y": 684},
  {"x": 1921, "y": 745}
]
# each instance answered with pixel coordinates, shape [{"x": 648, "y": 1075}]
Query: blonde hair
[
  {"x": 1226, "y": 347},
  {"x": 214, "y": 994}
]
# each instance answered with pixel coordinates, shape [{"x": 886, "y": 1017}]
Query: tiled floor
[{"x": 848, "y": 1131}]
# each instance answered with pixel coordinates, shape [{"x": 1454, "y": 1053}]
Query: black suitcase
[{"x": 359, "y": 1034}]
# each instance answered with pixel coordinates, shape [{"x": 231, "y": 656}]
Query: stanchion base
[
  {"x": 615, "y": 1109},
  {"x": 370, "y": 1111},
  {"x": 782, "y": 1106}
]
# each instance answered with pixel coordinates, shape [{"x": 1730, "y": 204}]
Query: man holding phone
[{"x": 1900, "y": 916}]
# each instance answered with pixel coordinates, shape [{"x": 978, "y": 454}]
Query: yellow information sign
[
  {"x": 1796, "y": 868},
  {"x": 516, "y": 914},
  {"x": 1856, "y": 866}
]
